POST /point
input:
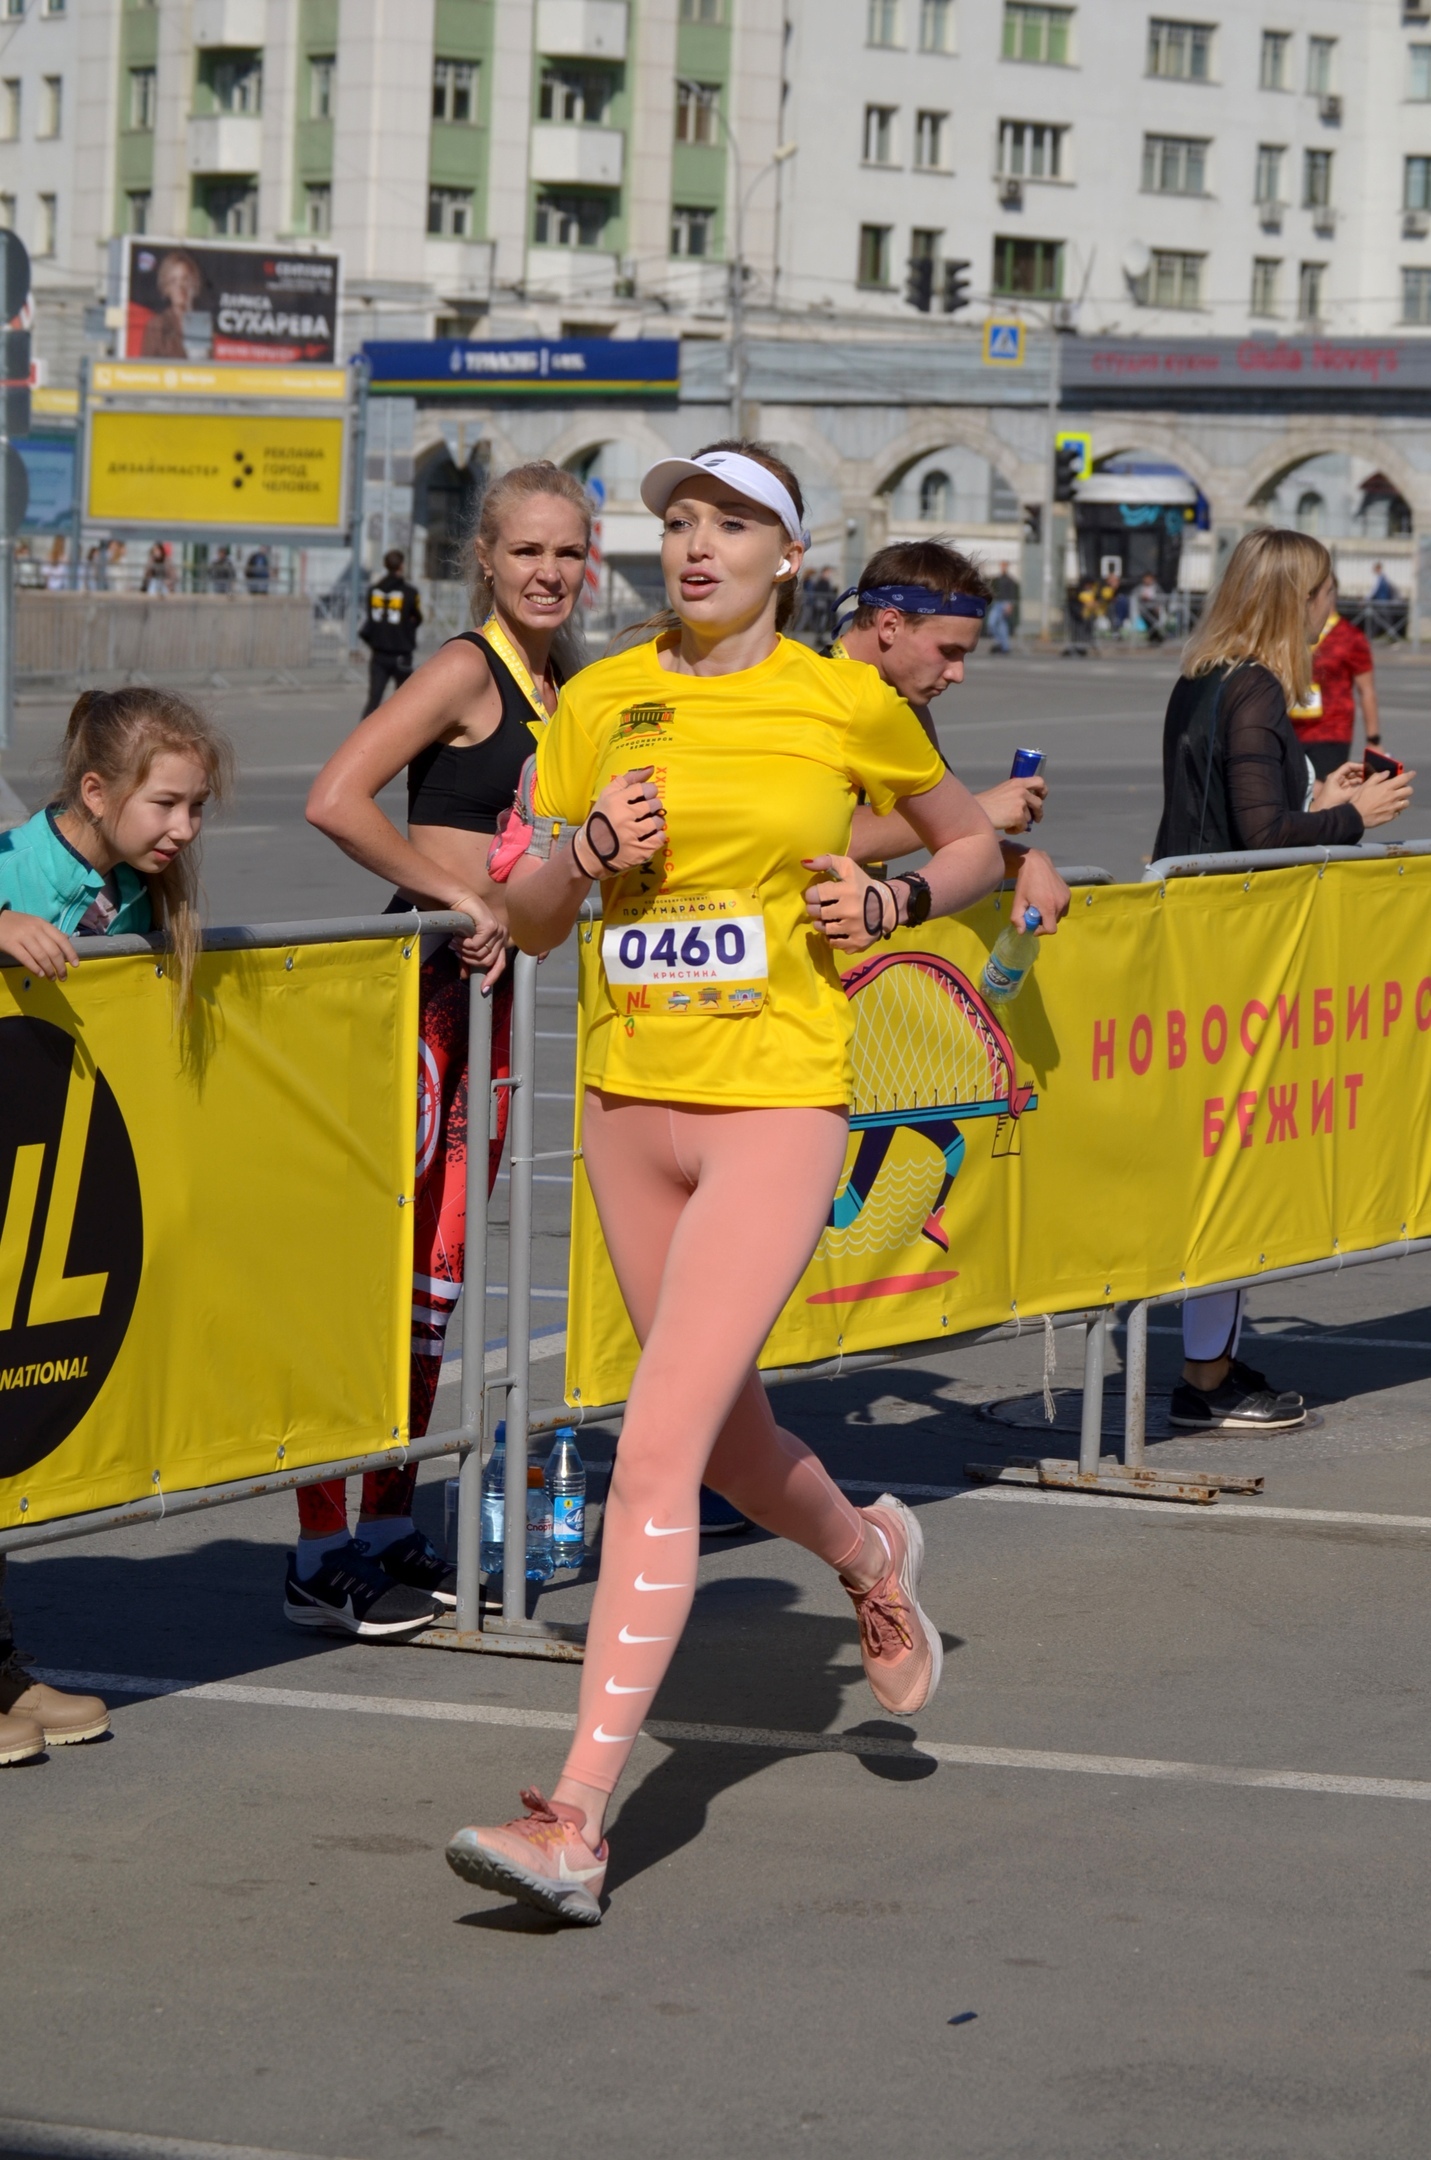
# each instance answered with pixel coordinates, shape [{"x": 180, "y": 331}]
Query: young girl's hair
[
  {"x": 118, "y": 734},
  {"x": 1259, "y": 611},
  {"x": 504, "y": 494},
  {"x": 666, "y": 619}
]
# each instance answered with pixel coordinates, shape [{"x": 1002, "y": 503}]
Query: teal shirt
[{"x": 41, "y": 874}]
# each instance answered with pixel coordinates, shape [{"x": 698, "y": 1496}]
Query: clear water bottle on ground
[
  {"x": 494, "y": 1489},
  {"x": 1010, "y": 963},
  {"x": 540, "y": 1565},
  {"x": 566, "y": 1483}
]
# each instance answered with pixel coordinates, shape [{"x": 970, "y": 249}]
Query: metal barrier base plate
[
  {"x": 535, "y": 1639},
  {"x": 1195, "y": 1488}
]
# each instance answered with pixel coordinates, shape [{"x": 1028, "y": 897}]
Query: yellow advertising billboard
[
  {"x": 205, "y": 1230},
  {"x": 188, "y": 379},
  {"x": 1199, "y": 1081},
  {"x": 226, "y": 471}
]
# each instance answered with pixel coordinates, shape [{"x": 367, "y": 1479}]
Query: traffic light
[
  {"x": 919, "y": 283},
  {"x": 956, "y": 287},
  {"x": 1067, "y": 471}
]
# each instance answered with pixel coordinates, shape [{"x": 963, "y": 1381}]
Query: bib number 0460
[{"x": 687, "y": 952}]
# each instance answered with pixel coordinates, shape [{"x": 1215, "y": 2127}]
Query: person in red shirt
[{"x": 1342, "y": 672}]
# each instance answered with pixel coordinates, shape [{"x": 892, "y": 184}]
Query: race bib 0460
[{"x": 685, "y": 953}]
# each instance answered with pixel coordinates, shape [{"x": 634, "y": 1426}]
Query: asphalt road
[{"x": 1083, "y": 1909}]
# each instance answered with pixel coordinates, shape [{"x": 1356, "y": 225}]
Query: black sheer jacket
[{"x": 1234, "y": 773}]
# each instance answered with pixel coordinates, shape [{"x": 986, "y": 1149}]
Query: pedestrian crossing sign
[{"x": 1003, "y": 344}]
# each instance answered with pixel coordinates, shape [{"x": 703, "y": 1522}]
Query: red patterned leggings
[{"x": 440, "y": 1223}]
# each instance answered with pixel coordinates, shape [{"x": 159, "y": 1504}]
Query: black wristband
[{"x": 920, "y": 904}]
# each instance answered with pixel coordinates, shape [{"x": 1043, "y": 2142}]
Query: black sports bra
[{"x": 469, "y": 785}]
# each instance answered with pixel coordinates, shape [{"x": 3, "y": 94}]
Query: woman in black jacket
[{"x": 1235, "y": 776}]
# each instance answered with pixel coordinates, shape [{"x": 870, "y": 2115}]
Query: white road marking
[
  {"x": 236, "y": 832},
  {"x": 1169, "y": 1513},
  {"x": 1320, "y": 1342},
  {"x": 66, "y": 2141},
  {"x": 779, "y": 1743}
]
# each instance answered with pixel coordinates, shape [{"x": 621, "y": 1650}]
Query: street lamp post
[{"x": 735, "y": 374}]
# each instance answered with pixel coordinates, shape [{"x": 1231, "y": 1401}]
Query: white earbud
[{"x": 784, "y": 566}]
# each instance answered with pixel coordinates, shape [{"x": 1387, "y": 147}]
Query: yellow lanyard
[
  {"x": 837, "y": 650},
  {"x": 505, "y": 650}
]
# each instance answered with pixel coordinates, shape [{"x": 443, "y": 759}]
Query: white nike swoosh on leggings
[
  {"x": 627, "y": 1637},
  {"x": 613, "y": 1689},
  {"x": 614, "y": 1736},
  {"x": 652, "y": 1531},
  {"x": 642, "y": 1584}
]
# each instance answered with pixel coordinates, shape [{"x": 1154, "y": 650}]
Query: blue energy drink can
[{"x": 1026, "y": 764}]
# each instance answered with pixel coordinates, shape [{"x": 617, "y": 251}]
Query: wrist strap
[
  {"x": 579, "y": 833},
  {"x": 874, "y": 900}
]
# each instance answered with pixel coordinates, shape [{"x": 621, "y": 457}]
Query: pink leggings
[{"x": 710, "y": 1217}]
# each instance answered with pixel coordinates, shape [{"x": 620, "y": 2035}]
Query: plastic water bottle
[
  {"x": 494, "y": 1490},
  {"x": 1009, "y": 964},
  {"x": 540, "y": 1565},
  {"x": 566, "y": 1483}
]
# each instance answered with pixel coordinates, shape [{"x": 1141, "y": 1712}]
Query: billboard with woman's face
[{"x": 192, "y": 300}]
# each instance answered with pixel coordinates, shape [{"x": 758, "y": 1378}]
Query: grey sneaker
[{"x": 1232, "y": 1408}]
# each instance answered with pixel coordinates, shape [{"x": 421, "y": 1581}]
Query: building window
[
  {"x": 454, "y": 92},
  {"x": 1310, "y": 511},
  {"x": 318, "y": 207},
  {"x": 52, "y": 92},
  {"x": 143, "y": 89},
  {"x": 570, "y": 221},
  {"x": 1321, "y": 57},
  {"x": 1266, "y": 277},
  {"x": 692, "y": 231},
  {"x": 53, "y": 7},
  {"x": 931, "y": 134},
  {"x": 874, "y": 254},
  {"x": 1182, "y": 51},
  {"x": 1174, "y": 165},
  {"x": 1310, "y": 280},
  {"x": 10, "y": 109},
  {"x": 232, "y": 208},
  {"x": 1030, "y": 151},
  {"x": 1269, "y": 173},
  {"x": 1175, "y": 280},
  {"x": 237, "y": 85},
  {"x": 14, "y": 9},
  {"x": 1416, "y": 184},
  {"x": 571, "y": 95},
  {"x": 322, "y": 71},
  {"x": 883, "y": 22},
  {"x": 449, "y": 213},
  {"x": 1416, "y": 296},
  {"x": 925, "y": 242},
  {"x": 137, "y": 210},
  {"x": 1420, "y": 84},
  {"x": 47, "y": 225},
  {"x": 936, "y": 26},
  {"x": 7, "y": 213},
  {"x": 1316, "y": 179},
  {"x": 934, "y": 494},
  {"x": 697, "y": 112},
  {"x": 1272, "y": 75},
  {"x": 879, "y": 134},
  {"x": 1041, "y": 34},
  {"x": 1028, "y": 267},
  {"x": 701, "y": 11}
]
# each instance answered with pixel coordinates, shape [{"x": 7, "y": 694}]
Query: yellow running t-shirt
[{"x": 717, "y": 987}]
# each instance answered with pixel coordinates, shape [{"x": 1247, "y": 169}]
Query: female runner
[
  {"x": 464, "y": 726},
  {"x": 702, "y": 778}
]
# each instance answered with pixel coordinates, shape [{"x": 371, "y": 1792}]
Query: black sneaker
[
  {"x": 719, "y": 1518},
  {"x": 1256, "y": 1383},
  {"x": 416, "y": 1562},
  {"x": 1231, "y": 1408},
  {"x": 350, "y": 1595}
]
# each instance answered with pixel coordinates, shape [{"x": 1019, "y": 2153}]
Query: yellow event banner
[
  {"x": 170, "y": 378},
  {"x": 205, "y": 1230},
  {"x": 1199, "y": 1081},
  {"x": 231, "y": 470}
]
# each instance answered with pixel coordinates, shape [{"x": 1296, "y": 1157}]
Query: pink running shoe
[
  {"x": 903, "y": 1655},
  {"x": 542, "y": 1858}
]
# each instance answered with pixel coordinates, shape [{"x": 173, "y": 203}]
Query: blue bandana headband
[{"x": 915, "y": 600}]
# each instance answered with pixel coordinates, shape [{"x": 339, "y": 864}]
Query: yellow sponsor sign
[
  {"x": 1198, "y": 1082},
  {"x": 55, "y": 404},
  {"x": 216, "y": 469},
  {"x": 182, "y": 379},
  {"x": 205, "y": 1241}
]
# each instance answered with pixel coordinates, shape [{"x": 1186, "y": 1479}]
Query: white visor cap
[{"x": 745, "y": 476}]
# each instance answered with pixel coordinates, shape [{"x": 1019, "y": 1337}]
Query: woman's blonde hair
[
  {"x": 787, "y": 601},
  {"x": 1259, "y": 611},
  {"x": 117, "y": 734},
  {"x": 520, "y": 485}
]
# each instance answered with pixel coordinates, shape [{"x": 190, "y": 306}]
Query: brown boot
[
  {"x": 60, "y": 1719},
  {"x": 21, "y": 1739}
]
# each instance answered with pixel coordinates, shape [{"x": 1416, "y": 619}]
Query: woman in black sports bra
[{"x": 463, "y": 724}]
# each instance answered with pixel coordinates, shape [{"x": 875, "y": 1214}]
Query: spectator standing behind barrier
[
  {"x": 1343, "y": 671},
  {"x": 464, "y": 725},
  {"x": 391, "y": 622},
  {"x": 223, "y": 572},
  {"x": 1234, "y": 777},
  {"x": 919, "y": 647},
  {"x": 1003, "y": 617},
  {"x": 115, "y": 852},
  {"x": 256, "y": 572}
]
